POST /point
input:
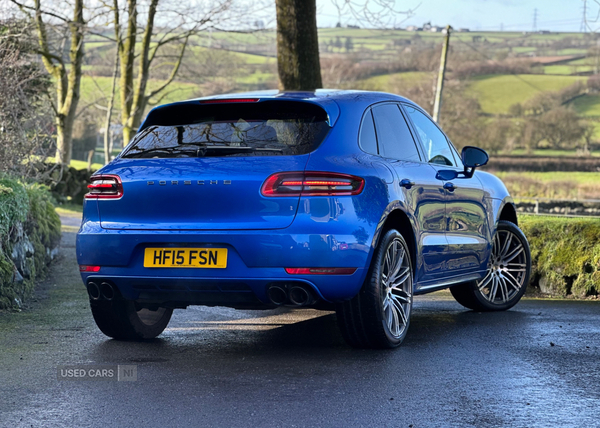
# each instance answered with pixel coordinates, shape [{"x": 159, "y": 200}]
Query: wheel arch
[
  {"x": 508, "y": 212},
  {"x": 399, "y": 220}
]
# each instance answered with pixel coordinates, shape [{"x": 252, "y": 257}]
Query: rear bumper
[{"x": 256, "y": 259}]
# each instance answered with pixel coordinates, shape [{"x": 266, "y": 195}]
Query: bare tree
[
  {"x": 375, "y": 13},
  {"x": 141, "y": 42},
  {"x": 65, "y": 72},
  {"x": 25, "y": 116}
]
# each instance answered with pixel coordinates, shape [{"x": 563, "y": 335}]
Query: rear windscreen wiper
[
  {"x": 199, "y": 150},
  {"x": 229, "y": 150},
  {"x": 166, "y": 150}
]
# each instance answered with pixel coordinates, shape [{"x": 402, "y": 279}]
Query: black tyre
[
  {"x": 379, "y": 315},
  {"x": 507, "y": 276},
  {"x": 123, "y": 321}
]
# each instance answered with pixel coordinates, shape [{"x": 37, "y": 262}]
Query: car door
[
  {"x": 466, "y": 222},
  {"x": 422, "y": 193}
]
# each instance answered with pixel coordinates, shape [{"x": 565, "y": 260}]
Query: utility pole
[
  {"x": 437, "y": 105},
  {"x": 535, "y": 16},
  {"x": 582, "y": 28}
]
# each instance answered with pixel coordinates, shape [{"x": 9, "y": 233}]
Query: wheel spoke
[
  {"x": 514, "y": 253},
  {"x": 400, "y": 311},
  {"x": 401, "y": 278},
  {"x": 404, "y": 296},
  {"x": 396, "y": 322},
  {"x": 503, "y": 290},
  {"x": 493, "y": 290},
  {"x": 485, "y": 281},
  {"x": 506, "y": 245},
  {"x": 512, "y": 280},
  {"x": 398, "y": 258}
]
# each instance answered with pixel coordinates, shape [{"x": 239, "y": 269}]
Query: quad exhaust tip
[
  {"x": 107, "y": 291},
  {"x": 277, "y": 295},
  {"x": 104, "y": 291},
  {"x": 293, "y": 295},
  {"x": 299, "y": 296},
  {"x": 93, "y": 290}
]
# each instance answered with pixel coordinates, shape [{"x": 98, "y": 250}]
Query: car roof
[{"x": 331, "y": 100}]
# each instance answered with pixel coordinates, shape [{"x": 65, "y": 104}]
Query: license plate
[{"x": 186, "y": 257}]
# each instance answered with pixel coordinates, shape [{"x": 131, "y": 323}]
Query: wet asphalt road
[{"x": 535, "y": 365}]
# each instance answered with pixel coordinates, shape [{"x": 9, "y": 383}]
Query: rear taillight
[
  {"x": 312, "y": 183},
  {"x": 105, "y": 187}
]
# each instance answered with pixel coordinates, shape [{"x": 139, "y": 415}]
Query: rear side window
[
  {"x": 434, "y": 141},
  {"x": 269, "y": 128},
  {"x": 393, "y": 135},
  {"x": 367, "y": 138}
]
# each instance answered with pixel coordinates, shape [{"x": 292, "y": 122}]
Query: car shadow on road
[{"x": 208, "y": 340}]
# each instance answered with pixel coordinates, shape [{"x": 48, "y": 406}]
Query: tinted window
[
  {"x": 393, "y": 135},
  {"x": 434, "y": 141},
  {"x": 367, "y": 138},
  {"x": 269, "y": 128}
]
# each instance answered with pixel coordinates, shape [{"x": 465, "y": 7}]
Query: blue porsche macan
[{"x": 338, "y": 200}]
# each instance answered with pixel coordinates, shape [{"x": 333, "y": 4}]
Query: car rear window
[{"x": 268, "y": 128}]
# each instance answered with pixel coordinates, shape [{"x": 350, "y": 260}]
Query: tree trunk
[
  {"x": 298, "y": 45},
  {"x": 126, "y": 48},
  {"x": 67, "y": 80},
  {"x": 64, "y": 140}
]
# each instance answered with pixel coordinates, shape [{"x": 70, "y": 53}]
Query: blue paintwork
[{"x": 452, "y": 230}]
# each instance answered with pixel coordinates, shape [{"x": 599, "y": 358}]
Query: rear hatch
[{"x": 202, "y": 166}]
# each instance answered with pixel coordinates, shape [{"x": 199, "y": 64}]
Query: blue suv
[{"x": 338, "y": 200}]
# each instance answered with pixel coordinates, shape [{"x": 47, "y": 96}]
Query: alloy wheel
[
  {"x": 507, "y": 271},
  {"x": 396, "y": 281}
]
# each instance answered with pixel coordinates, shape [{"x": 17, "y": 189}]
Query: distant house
[
  {"x": 436, "y": 29},
  {"x": 352, "y": 26},
  {"x": 463, "y": 30},
  {"x": 413, "y": 28}
]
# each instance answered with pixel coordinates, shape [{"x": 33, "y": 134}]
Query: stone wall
[{"x": 28, "y": 242}]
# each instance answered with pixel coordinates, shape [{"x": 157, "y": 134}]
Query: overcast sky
[{"x": 512, "y": 15}]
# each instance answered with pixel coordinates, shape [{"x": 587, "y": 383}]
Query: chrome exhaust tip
[
  {"x": 93, "y": 290},
  {"x": 277, "y": 295}
]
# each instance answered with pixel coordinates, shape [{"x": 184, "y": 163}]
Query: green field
[
  {"x": 556, "y": 185},
  {"x": 96, "y": 89},
  {"x": 577, "y": 177},
  {"x": 497, "y": 93}
]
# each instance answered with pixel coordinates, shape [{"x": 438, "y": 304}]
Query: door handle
[
  {"x": 407, "y": 183},
  {"x": 449, "y": 186}
]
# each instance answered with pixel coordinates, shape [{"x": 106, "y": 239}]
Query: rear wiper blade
[
  {"x": 168, "y": 150},
  {"x": 199, "y": 150}
]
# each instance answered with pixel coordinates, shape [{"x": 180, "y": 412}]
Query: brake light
[
  {"x": 230, "y": 100},
  {"x": 312, "y": 183},
  {"x": 105, "y": 186},
  {"x": 320, "y": 271}
]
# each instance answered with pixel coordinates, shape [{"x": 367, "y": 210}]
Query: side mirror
[{"x": 474, "y": 157}]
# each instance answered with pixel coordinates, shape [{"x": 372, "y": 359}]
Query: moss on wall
[
  {"x": 565, "y": 254},
  {"x": 29, "y": 223}
]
